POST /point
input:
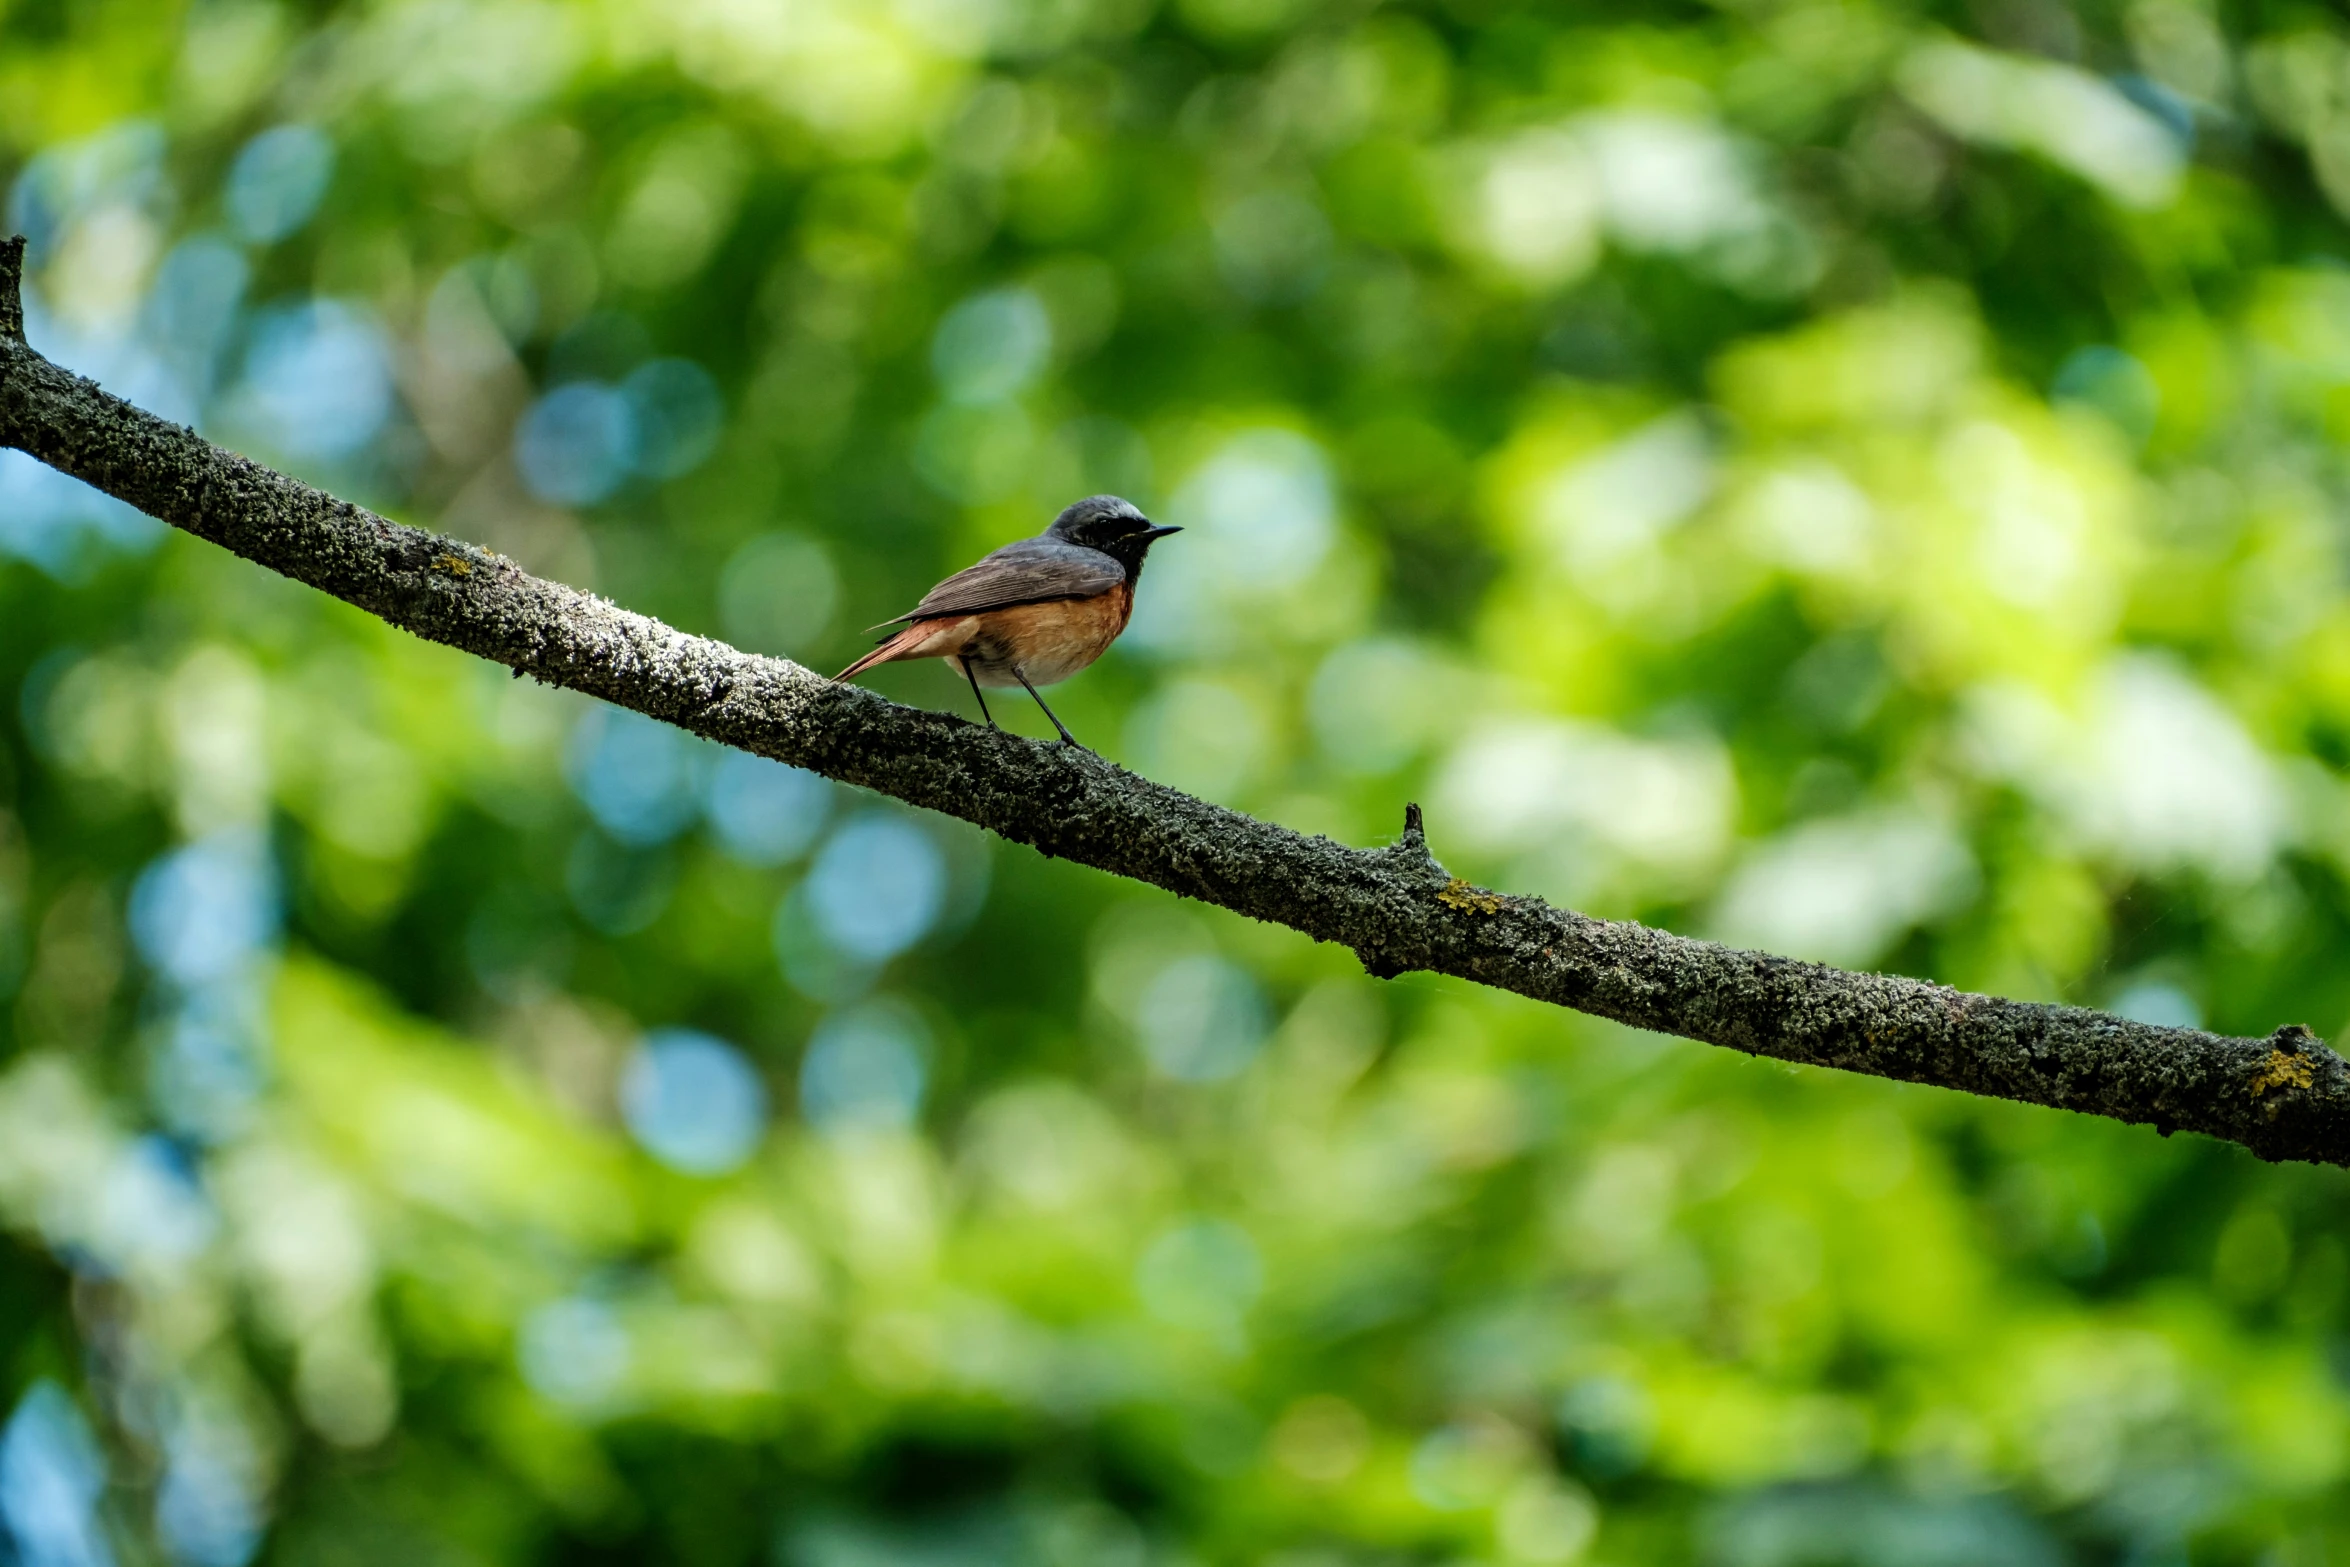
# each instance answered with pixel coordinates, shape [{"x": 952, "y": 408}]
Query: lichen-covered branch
[{"x": 2284, "y": 1097}]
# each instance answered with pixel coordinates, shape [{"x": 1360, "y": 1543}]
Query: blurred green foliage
[{"x": 1853, "y": 478}]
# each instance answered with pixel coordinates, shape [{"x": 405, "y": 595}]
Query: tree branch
[{"x": 2283, "y": 1097}]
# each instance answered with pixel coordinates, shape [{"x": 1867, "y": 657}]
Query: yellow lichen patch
[
  {"x": 1458, "y": 894},
  {"x": 454, "y": 565},
  {"x": 2282, "y": 1069}
]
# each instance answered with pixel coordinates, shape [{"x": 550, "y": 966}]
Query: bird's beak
[{"x": 1161, "y": 531}]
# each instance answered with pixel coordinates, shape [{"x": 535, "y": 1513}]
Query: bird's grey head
[{"x": 1109, "y": 524}]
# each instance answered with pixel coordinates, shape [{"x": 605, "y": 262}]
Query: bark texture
[{"x": 2285, "y": 1096}]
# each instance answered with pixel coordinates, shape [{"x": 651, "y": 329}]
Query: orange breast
[{"x": 1049, "y": 641}]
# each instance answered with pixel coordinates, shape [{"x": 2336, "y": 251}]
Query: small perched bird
[{"x": 1033, "y": 613}]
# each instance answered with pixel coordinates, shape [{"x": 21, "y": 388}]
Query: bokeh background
[{"x": 1859, "y": 478}]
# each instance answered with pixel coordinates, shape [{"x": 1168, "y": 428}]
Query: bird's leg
[
  {"x": 1066, "y": 737},
  {"x": 972, "y": 675}
]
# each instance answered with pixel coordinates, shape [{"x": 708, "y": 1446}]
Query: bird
[{"x": 1034, "y": 612}]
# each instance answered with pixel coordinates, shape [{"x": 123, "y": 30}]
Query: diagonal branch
[{"x": 2283, "y": 1097}]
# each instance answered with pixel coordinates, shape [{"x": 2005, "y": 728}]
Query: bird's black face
[{"x": 1113, "y": 526}]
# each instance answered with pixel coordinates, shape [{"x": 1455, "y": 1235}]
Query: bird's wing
[{"x": 1024, "y": 573}]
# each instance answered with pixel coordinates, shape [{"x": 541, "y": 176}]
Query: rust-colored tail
[{"x": 890, "y": 648}]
